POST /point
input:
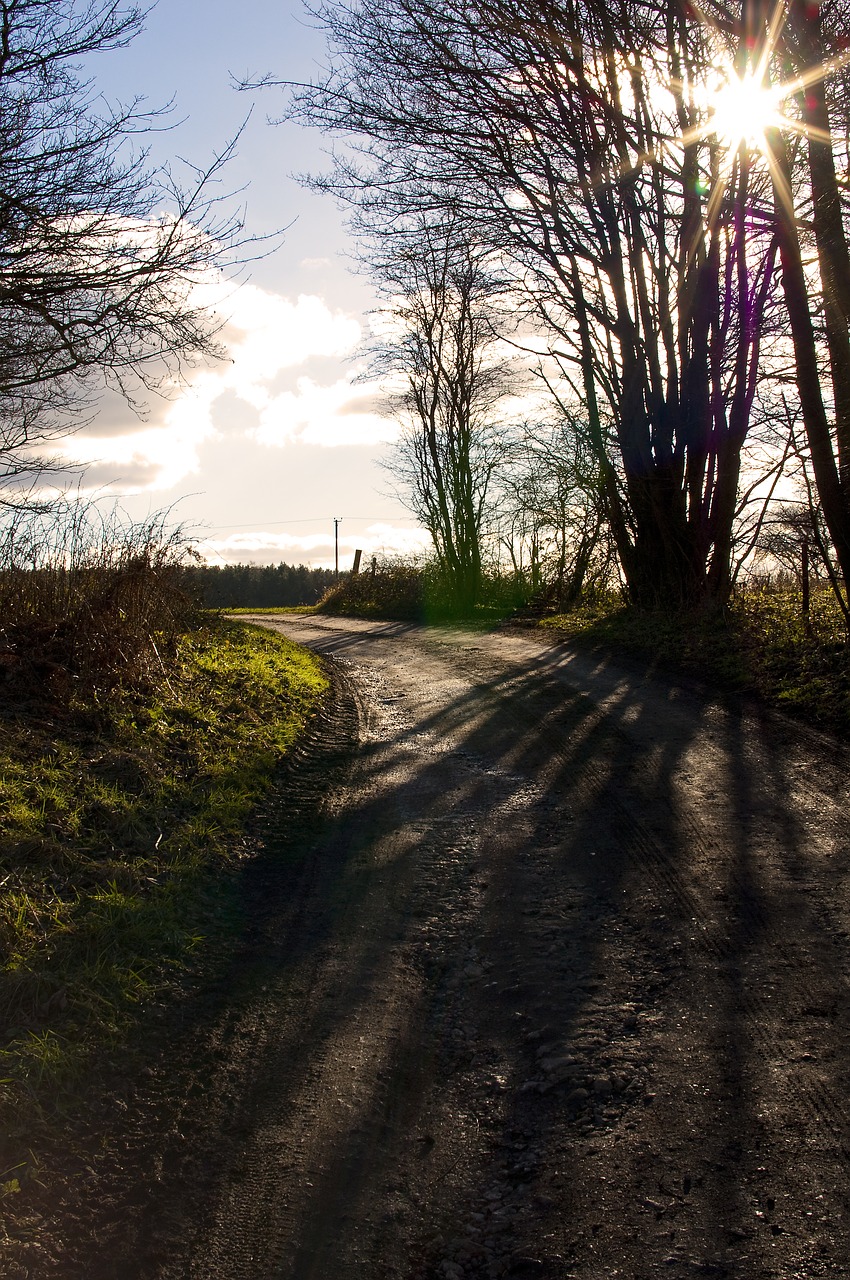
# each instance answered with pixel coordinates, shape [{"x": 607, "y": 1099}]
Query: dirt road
[{"x": 556, "y": 986}]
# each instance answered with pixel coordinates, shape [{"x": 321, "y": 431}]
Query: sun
[{"x": 743, "y": 108}]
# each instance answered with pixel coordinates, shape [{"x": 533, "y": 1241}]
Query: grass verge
[
  {"x": 760, "y": 644},
  {"x": 274, "y": 609},
  {"x": 119, "y": 820}
]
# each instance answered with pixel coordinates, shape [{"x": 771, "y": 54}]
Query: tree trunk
[{"x": 834, "y": 498}]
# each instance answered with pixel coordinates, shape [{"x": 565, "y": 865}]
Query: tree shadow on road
[{"x": 551, "y": 988}]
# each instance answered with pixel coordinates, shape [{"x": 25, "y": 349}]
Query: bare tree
[
  {"x": 578, "y": 139},
  {"x": 98, "y": 253},
  {"x": 790, "y": 527},
  {"x": 811, "y": 38},
  {"x": 440, "y": 346},
  {"x": 552, "y": 513}
]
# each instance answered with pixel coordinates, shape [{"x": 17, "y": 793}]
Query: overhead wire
[{"x": 252, "y": 524}]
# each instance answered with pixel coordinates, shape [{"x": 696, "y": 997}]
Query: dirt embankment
[{"x": 548, "y": 978}]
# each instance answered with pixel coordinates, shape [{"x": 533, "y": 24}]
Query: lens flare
[{"x": 743, "y": 108}]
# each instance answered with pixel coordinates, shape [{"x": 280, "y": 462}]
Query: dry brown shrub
[{"x": 88, "y": 601}]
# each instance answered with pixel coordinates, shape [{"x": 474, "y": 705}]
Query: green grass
[
  {"x": 118, "y": 826},
  {"x": 759, "y": 644},
  {"x": 407, "y": 592},
  {"x": 283, "y": 608}
]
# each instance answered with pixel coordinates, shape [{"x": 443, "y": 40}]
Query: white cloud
[
  {"x": 267, "y": 333},
  {"x": 264, "y": 335},
  {"x": 170, "y": 447},
  {"x": 340, "y": 414},
  {"x": 389, "y": 540}
]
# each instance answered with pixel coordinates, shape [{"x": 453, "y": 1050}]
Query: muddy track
[{"x": 547, "y": 976}]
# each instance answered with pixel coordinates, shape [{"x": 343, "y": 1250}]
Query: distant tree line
[{"x": 260, "y": 586}]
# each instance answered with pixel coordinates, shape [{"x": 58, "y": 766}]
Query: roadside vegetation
[
  {"x": 271, "y": 611},
  {"x": 760, "y": 644},
  {"x": 412, "y": 592},
  {"x": 137, "y": 736}
]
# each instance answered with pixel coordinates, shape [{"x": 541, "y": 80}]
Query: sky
[{"x": 256, "y": 455}]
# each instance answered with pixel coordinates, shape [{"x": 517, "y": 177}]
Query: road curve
[{"x": 558, "y": 988}]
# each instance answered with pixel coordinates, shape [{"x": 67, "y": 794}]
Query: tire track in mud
[{"x": 238, "y": 1067}]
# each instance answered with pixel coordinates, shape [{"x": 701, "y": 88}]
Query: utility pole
[{"x": 337, "y": 523}]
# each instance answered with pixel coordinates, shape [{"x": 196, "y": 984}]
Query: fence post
[
  {"x": 355, "y": 568},
  {"x": 805, "y": 568}
]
